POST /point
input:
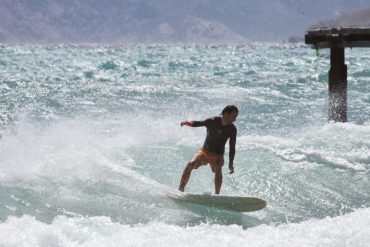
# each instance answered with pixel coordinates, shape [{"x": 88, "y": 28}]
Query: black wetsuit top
[{"x": 217, "y": 136}]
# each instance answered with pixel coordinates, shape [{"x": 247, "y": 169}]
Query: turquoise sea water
[{"x": 91, "y": 146}]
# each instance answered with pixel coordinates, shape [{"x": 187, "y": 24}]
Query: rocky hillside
[{"x": 162, "y": 21}]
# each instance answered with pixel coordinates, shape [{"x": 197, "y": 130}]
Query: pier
[{"x": 337, "y": 39}]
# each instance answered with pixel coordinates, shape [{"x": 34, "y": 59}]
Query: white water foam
[
  {"x": 352, "y": 229},
  {"x": 344, "y": 146},
  {"x": 76, "y": 148}
]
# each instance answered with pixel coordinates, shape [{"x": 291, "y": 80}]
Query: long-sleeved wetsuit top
[{"x": 217, "y": 136}]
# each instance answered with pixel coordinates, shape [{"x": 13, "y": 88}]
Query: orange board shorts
[{"x": 202, "y": 157}]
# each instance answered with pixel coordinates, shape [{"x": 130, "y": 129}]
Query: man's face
[{"x": 231, "y": 117}]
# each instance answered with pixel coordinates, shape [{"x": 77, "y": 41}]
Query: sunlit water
[{"x": 91, "y": 146}]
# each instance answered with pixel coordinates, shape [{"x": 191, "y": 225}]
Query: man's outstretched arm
[{"x": 196, "y": 123}]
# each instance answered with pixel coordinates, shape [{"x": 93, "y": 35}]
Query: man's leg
[
  {"x": 185, "y": 176},
  {"x": 217, "y": 169},
  {"x": 218, "y": 180},
  {"x": 194, "y": 164}
]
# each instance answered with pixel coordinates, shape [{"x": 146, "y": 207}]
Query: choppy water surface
[{"x": 91, "y": 146}]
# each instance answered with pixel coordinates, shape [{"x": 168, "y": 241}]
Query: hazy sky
[{"x": 45, "y": 21}]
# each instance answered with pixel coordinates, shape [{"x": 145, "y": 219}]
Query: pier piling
[{"x": 337, "y": 39}]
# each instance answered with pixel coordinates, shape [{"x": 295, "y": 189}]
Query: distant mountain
[
  {"x": 162, "y": 21},
  {"x": 360, "y": 18}
]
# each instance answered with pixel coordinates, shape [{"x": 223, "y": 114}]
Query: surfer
[{"x": 219, "y": 130}]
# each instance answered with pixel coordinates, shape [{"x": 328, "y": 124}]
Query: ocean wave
[
  {"x": 107, "y": 140},
  {"x": 340, "y": 145},
  {"x": 109, "y": 65},
  {"x": 352, "y": 229}
]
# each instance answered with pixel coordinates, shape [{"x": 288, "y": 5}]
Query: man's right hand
[{"x": 187, "y": 123}]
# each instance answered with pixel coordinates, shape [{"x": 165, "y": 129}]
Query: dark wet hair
[{"x": 230, "y": 109}]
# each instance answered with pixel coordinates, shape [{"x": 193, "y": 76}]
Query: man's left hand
[{"x": 231, "y": 169}]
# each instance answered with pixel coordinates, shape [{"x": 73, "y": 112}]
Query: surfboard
[{"x": 231, "y": 203}]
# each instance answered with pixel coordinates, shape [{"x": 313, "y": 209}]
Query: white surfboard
[{"x": 232, "y": 203}]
